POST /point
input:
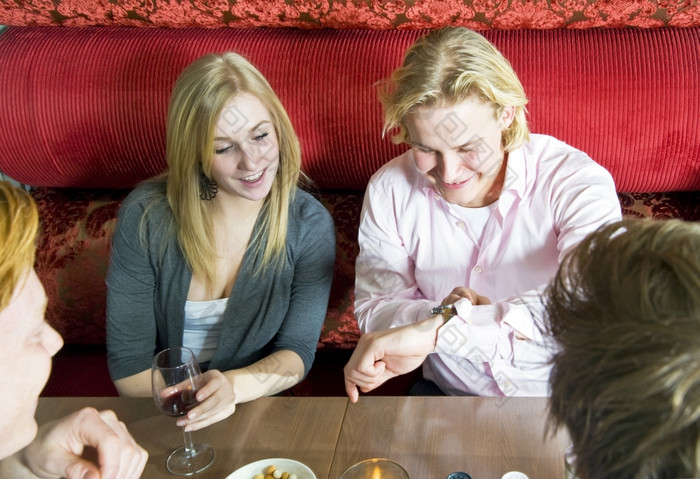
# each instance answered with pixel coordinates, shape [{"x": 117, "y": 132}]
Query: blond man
[{"x": 476, "y": 204}]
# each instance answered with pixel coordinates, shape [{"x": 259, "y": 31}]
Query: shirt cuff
[
  {"x": 472, "y": 337},
  {"x": 520, "y": 319}
]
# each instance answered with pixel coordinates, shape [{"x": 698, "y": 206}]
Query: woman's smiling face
[
  {"x": 458, "y": 148},
  {"x": 246, "y": 149}
]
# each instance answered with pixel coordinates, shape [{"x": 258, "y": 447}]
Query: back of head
[
  {"x": 448, "y": 66},
  {"x": 624, "y": 310},
  {"x": 19, "y": 221}
]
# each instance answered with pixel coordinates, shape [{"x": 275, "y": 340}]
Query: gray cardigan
[{"x": 148, "y": 281}]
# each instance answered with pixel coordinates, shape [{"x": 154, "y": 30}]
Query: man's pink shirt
[{"x": 415, "y": 248}]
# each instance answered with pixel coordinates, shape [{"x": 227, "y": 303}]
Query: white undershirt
[
  {"x": 203, "y": 324},
  {"x": 475, "y": 218}
]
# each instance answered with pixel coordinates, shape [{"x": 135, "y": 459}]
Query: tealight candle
[{"x": 375, "y": 469}]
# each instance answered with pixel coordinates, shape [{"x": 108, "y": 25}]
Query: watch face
[
  {"x": 447, "y": 312},
  {"x": 459, "y": 475}
]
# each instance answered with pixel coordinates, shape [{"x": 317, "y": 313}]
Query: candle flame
[{"x": 377, "y": 473}]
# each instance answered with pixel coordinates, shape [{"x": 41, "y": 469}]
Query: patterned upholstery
[
  {"x": 77, "y": 226},
  {"x": 377, "y": 15}
]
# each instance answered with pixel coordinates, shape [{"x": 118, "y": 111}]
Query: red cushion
[
  {"x": 385, "y": 14},
  {"x": 85, "y": 107}
]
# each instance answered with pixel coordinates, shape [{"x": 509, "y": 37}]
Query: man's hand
[
  {"x": 56, "y": 451},
  {"x": 462, "y": 292},
  {"x": 382, "y": 355}
]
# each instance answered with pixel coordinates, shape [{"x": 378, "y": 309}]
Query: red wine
[{"x": 179, "y": 403}]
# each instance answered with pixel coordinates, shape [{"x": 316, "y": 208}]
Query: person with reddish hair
[{"x": 27, "y": 344}]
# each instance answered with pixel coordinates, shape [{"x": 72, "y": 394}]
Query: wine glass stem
[{"x": 189, "y": 447}]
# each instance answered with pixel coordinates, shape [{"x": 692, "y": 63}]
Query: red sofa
[{"x": 86, "y": 85}]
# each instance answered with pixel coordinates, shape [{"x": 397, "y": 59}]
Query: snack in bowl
[
  {"x": 271, "y": 472},
  {"x": 272, "y": 468}
]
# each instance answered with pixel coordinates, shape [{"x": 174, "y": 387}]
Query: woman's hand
[
  {"x": 462, "y": 292},
  {"x": 223, "y": 391},
  {"x": 217, "y": 401}
]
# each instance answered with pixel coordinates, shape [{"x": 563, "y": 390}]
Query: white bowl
[{"x": 288, "y": 465}]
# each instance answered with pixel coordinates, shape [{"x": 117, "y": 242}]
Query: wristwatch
[{"x": 447, "y": 312}]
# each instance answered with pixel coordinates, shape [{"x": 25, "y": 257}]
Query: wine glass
[{"x": 176, "y": 378}]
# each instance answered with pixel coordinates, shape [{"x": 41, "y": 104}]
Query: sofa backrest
[
  {"x": 86, "y": 107},
  {"x": 373, "y": 14}
]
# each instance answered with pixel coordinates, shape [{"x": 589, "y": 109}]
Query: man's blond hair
[{"x": 447, "y": 67}]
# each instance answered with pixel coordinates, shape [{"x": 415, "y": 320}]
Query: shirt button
[
  {"x": 460, "y": 224},
  {"x": 477, "y": 268}
]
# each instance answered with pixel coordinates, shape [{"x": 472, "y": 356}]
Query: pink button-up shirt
[{"x": 415, "y": 248}]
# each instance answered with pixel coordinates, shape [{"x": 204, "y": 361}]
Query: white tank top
[{"x": 203, "y": 324}]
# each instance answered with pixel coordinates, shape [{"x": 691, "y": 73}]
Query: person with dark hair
[{"x": 624, "y": 313}]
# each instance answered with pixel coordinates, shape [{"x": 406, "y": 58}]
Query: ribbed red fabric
[{"x": 86, "y": 107}]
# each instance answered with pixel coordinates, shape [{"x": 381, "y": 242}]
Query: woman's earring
[{"x": 207, "y": 188}]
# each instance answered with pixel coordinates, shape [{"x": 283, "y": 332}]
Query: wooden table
[
  {"x": 433, "y": 436},
  {"x": 429, "y": 436},
  {"x": 304, "y": 429}
]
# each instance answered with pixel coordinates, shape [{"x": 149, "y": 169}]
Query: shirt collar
[{"x": 516, "y": 173}]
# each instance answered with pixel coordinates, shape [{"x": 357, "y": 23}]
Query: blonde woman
[
  {"x": 27, "y": 344},
  {"x": 225, "y": 254},
  {"x": 476, "y": 205}
]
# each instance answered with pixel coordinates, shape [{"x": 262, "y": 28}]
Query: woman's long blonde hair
[
  {"x": 200, "y": 93},
  {"x": 19, "y": 222},
  {"x": 446, "y": 67}
]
